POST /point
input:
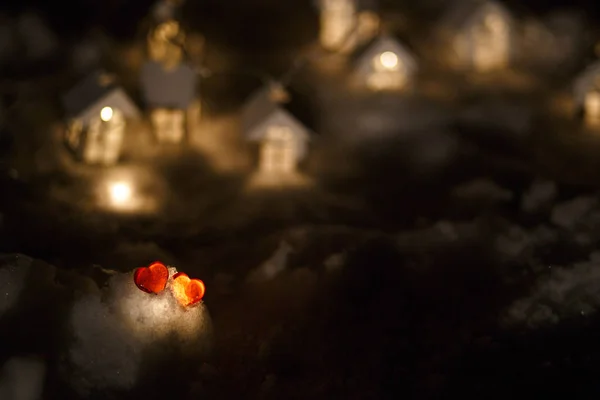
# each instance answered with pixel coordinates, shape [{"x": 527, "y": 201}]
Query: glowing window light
[
  {"x": 120, "y": 193},
  {"x": 388, "y": 60},
  {"x": 106, "y": 114}
]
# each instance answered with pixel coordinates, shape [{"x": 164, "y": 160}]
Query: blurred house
[
  {"x": 385, "y": 64},
  {"x": 586, "y": 94},
  {"x": 169, "y": 94},
  {"x": 480, "y": 35},
  {"x": 38, "y": 40},
  {"x": 97, "y": 110},
  {"x": 344, "y": 24},
  {"x": 282, "y": 140},
  {"x": 555, "y": 43}
]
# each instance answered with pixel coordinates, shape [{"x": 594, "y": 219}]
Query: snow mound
[
  {"x": 564, "y": 293},
  {"x": 22, "y": 379},
  {"x": 13, "y": 276},
  {"x": 114, "y": 332},
  {"x": 540, "y": 194},
  {"x": 441, "y": 234},
  {"x": 569, "y": 214},
  {"x": 482, "y": 189},
  {"x": 273, "y": 266}
]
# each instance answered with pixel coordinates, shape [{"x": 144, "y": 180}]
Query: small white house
[
  {"x": 97, "y": 110},
  {"x": 480, "y": 34},
  {"x": 281, "y": 139},
  {"x": 385, "y": 64},
  {"x": 586, "y": 94}
]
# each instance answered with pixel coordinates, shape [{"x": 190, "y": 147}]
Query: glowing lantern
[
  {"x": 152, "y": 279},
  {"x": 106, "y": 114},
  {"x": 120, "y": 193},
  {"x": 388, "y": 60},
  {"x": 187, "y": 291}
]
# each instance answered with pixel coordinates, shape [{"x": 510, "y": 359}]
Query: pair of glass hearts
[{"x": 154, "y": 278}]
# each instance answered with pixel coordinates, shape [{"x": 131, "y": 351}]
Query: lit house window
[
  {"x": 168, "y": 125},
  {"x": 387, "y": 61},
  {"x": 278, "y": 150}
]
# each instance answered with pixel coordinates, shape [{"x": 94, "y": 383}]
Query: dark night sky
[{"x": 116, "y": 15}]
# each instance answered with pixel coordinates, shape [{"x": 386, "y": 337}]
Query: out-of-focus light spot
[
  {"x": 106, "y": 114},
  {"x": 120, "y": 193},
  {"x": 389, "y": 60}
]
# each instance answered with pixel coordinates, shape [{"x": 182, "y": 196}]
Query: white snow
[
  {"x": 114, "y": 330},
  {"x": 564, "y": 293},
  {"x": 568, "y": 214},
  {"x": 514, "y": 242},
  {"x": 482, "y": 189},
  {"x": 22, "y": 379},
  {"x": 540, "y": 194},
  {"x": 272, "y": 267},
  {"x": 440, "y": 234},
  {"x": 514, "y": 119},
  {"x": 13, "y": 277}
]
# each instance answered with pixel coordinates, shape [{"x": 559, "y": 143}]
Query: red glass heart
[
  {"x": 152, "y": 279},
  {"x": 187, "y": 291}
]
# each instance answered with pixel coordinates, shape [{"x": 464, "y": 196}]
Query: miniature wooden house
[
  {"x": 281, "y": 139},
  {"x": 586, "y": 94},
  {"x": 168, "y": 94},
  {"x": 385, "y": 64},
  {"x": 97, "y": 111},
  {"x": 481, "y": 35}
]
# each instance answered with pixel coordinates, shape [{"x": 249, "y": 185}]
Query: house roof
[
  {"x": 168, "y": 88},
  {"x": 97, "y": 90},
  {"x": 362, "y": 57},
  {"x": 260, "y": 110}
]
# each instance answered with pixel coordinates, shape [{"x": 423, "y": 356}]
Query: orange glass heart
[
  {"x": 152, "y": 279},
  {"x": 187, "y": 291}
]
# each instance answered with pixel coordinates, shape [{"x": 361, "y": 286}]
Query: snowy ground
[{"x": 430, "y": 249}]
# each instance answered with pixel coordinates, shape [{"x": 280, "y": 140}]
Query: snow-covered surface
[
  {"x": 13, "y": 278},
  {"x": 114, "y": 331},
  {"x": 564, "y": 293},
  {"x": 22, "y": 379},
  {"x": 570, "y": 213},
  {"x": 482, "y": 190},
  {"x": 540, "y": 195}
]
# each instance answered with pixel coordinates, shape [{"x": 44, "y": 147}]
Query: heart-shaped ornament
[
  {"x": 151, "y": 279},
  {"x": 187, "y": 291}
]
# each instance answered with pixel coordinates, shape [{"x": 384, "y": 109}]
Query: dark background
[{"x": 120, "y": 17}]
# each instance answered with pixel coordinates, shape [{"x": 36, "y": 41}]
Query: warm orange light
[
  {"x": 152, "y": 279},
  {"x": 187, "y": 291}
]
